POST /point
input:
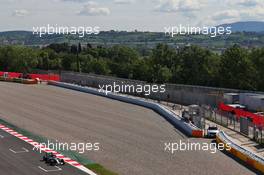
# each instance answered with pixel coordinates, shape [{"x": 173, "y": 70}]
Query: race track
[
  {"x": 18, "y": 158},
  {"x": 131, "y": 137}
]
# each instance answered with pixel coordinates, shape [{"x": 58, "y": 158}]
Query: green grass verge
[{"x": 99, "y": 169}]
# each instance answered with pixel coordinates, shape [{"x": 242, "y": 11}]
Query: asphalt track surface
[
  {"x": 18, "y": 158},
  {"x": 131, "y": 137}
]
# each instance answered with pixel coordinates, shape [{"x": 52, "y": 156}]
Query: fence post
[
  {"x": 254, "y": 132},
  {"x": 260, "y": 135},
  {"x": 215, "y": 115},
  {"x": 234, "y": 120},
  {"x": 221, "y": 119}
]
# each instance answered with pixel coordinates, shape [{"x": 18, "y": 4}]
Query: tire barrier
[
  {"x": 246, "y": 156},
  {"x": 187, "y": 128},
  {"x": 30, "y": 81},
  {"x": 20, "y": 80},
  {"x": 44, "y": 77}
]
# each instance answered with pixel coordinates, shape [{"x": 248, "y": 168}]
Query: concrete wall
[{"x": 181, "y": 94}]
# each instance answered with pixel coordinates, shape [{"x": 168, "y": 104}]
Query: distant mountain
[
  {"x": 246, "y": 26},
  {"x": 143, "y": 40},
  {"x": 16, "y": 32},
  {"x": 15, "y": 35}
]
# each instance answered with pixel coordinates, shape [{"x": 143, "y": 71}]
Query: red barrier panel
[
  {"x": 197, "y": 133},
  {"x": 11, "y": 74},
  {"x": 257, "y": 119},
  {"x": 46, "y": 77}
]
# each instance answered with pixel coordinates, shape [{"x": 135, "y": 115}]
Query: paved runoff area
[
  {"x": 18, "y": 158},
  {"x": 131, "y": 137}
]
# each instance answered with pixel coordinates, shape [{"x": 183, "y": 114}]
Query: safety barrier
[
  {"x": 188, "y": 128},
  {"x": 45, "y": 77},
  {"x": 256, "y": 119},
  {"x": 197, "y": 133},
  {"x": 20, "y": 80},
  {"x": 250, "y": 158},
  {"x": 29, "y": 81}
]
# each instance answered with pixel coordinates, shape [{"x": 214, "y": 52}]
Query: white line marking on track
[
  {"x": 16, "y": 152},
  {"x": 58, "y": 169},
  {"x": 1, "y": 136}
]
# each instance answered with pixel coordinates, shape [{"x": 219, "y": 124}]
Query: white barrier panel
[{"x": 175, "y": 120}]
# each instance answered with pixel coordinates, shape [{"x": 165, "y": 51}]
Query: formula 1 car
[{"x": 52, "y": 160}]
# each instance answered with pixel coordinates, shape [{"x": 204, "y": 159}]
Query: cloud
[
  {"x": 249, "y": 9},
  {"x": 220, "y": 17},
  {"x": 123, "y": 1},
  {"x": 256, "y": 13},
  {"x": 226, "y": 15},
  {"x": 20, "y": 13},
  {"x": 234, "y": 15},
  {"x": 78, "y": 1},
  {"x": 93, "y": 9},
  {"x": 249, "y": 3},
  {"x": 178, "y": 5}
]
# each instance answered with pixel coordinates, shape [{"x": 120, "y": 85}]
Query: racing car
[{"x": 52, "y": 160}]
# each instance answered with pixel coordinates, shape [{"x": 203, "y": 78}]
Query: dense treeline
[{"x": 236, "y": 68}]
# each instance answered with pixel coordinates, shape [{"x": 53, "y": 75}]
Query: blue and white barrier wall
[{"x": 187, "y": 128}]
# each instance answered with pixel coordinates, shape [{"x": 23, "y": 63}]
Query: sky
[{"x": 130, "y": 15}]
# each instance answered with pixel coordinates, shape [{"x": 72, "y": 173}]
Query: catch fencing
[{"x": 244, "y": 124}]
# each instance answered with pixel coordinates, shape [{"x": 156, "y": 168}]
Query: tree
[
  {"x": 196, "y": 66},
  {"x": 163, "y": 55},
  {"x": 67, "y": 61},
  {"x": 121, "y": 70},
  {"x": 257, "y": 58},
  {"x": 122, "y": 54},
  {"x": 59, "y": 47},
  {"x": 6, "y": 55},
  {"x": 78, "y": 59},
  {"x": 236, "y": 70},
  {"x": 99, "y": 67},
  {"x": 164, "y": 75},
  {"x": 141, "y": 70},
  {"x": 43, "y": 60},
  {"x": 23, "y": 59},
  {"x": 77, "y": 50},
  {"x": 86, "y": 63}
]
